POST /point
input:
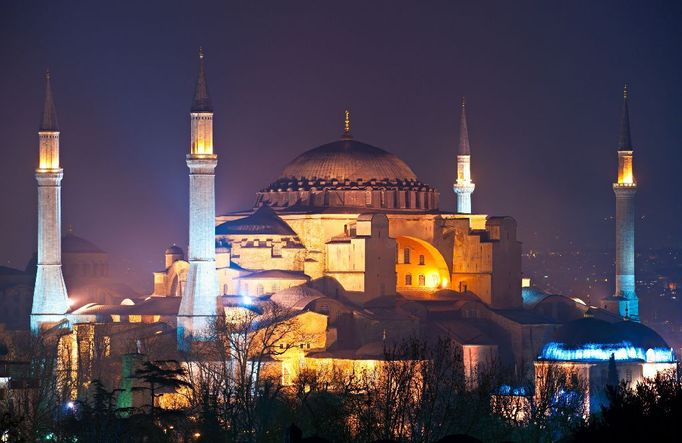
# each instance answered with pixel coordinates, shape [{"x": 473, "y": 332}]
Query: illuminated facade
[
  {"x": 347, "y": 233},
  {"x": 624, "y": 301},
  {"x": 464, "y": 187},
  {"x": 199, "y": 301},
  {"x": 354, "y": 248},
  {"x": 50, "y": 300}
]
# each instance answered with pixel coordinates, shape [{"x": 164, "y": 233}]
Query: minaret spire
[
  {"x": 199, "y": 305},
  {"x": 202, "y": 101},
  {"x": 49, "y": 120},
  {"x": 50, "y": 299},
  {"x": 624, "y": 141},
  {"x": 463, "y": 148},
  {"x": 463, "y": 187},
  {"x": 624, "y": 301}
]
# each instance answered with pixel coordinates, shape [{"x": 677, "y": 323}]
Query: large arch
[{"x": 420, "y": 266}]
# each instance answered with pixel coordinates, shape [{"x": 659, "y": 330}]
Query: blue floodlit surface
[{"x": 622, "y": 351}]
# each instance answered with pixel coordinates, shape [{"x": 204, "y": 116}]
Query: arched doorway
[{"x": 420, "y": 266}]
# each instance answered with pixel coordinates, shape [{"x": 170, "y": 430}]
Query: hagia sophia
[{"x": 355, "y": 248}]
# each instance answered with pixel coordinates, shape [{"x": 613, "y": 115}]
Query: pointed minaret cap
[
  {"x": 346, "y": 125},
  {"x": 463, "y": 148},
  {"x": 49, "y": 120},
  {"x": 624, "y": 141},
  {"x": 201, "y": 102}
]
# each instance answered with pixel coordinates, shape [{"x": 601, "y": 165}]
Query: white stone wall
[
  {"x": 199, "y": 302},
  {"x": 625, "y": 249},
  {"x": 50, "y": 300}
]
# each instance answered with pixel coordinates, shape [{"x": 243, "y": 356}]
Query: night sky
[{"x": 543, "y": 82}]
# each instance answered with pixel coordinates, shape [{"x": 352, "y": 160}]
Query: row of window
[
  {"x": 408, "y": 280},
  {"x": 406, "y": 257},
  {"x": 434, "y": 280}
]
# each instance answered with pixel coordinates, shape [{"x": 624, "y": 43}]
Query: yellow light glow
[
  {"x": 48, "y": 154},
  {"x": 202, "y": 134},
  {"x": 625, "y": 174}
]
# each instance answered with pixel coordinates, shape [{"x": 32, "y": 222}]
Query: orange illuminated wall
[{"x": 420, "y": 266}]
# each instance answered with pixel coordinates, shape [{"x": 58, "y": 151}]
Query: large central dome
[
  {"x": 348, "y": 159},
  {"x": 348, "y": 175}
]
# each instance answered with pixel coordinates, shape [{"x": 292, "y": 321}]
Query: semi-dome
[
  {"x": 348, "y": 159},
  {"x": 349, "y": 174},
  {"x": 591, "y": 339}
]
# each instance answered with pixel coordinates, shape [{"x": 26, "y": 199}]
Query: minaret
[
  {"x": 199, "y": 302},
  {"x": 464, "y": 187},
  {"x": 625, "y": 188},
  {"x": 50, "y": 301}
]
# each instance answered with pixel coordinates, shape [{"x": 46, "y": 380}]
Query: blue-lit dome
[
  {"x": 532, "y": 296},
  {"x": 590, "y": 339}
]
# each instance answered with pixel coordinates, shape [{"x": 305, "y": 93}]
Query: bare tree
[
  {"x": 236, "y": 378},
  {"x": 41, "y": 389}
]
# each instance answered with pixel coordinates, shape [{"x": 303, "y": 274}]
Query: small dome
[
  {"x": 72, "y": 243},
  {"x": 591, "y": 339},
  {"x": 263, "y": 221},
  {"x": 174, "y": 250},
  {"x": 532, "y": 296},
  {"x": 639, "y": 335},
  {"x": 296, "y": 297},
  {"x": 348, "y": 159},
  {"x": 586, "y": 330}
]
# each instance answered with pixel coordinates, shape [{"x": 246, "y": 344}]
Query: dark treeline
[{"x": 419, "y": 393}]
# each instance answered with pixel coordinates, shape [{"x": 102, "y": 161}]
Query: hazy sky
[{"x": 543, "y": 82}]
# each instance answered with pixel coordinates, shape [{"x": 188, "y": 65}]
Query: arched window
[
  {"x": 422, "y": 280},
  {"x": 406, "y": 256},
  {"x": 408, "y": 279},
  {"x": 421, "y": 259}
]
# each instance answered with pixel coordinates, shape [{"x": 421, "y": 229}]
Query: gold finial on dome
[{"x": 346, "y": 125}]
